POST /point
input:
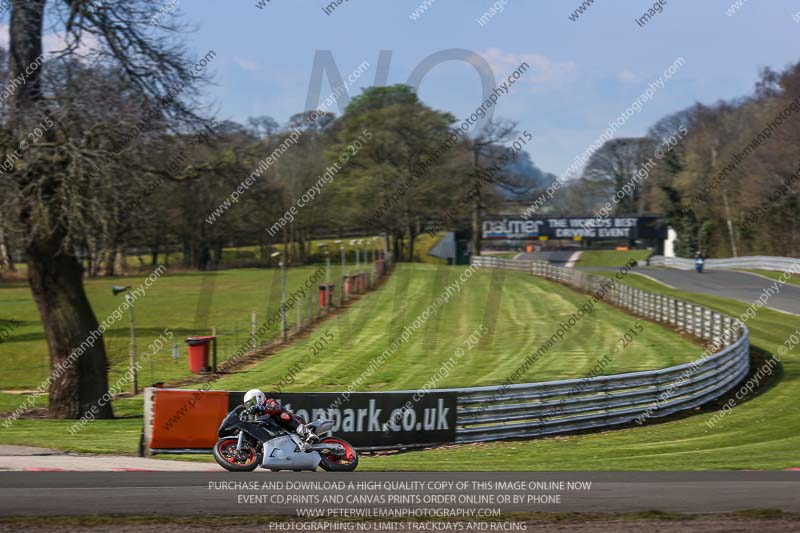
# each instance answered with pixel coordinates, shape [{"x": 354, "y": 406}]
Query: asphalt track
[
  {"x": 30, "y": 459},
  {"x": 730, "y": 284},
  {"x": 201, "y": 493}
]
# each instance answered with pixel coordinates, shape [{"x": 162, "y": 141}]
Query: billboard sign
[{"x": 574, "y": 228}]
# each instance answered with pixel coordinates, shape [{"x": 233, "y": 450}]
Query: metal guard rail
[
  {"x": 546, "y": 408},
  {"x": 755, "y": 262}
]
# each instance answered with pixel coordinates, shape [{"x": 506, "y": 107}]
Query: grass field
[
  {"x": 186, "y": 304},
  {"x": 520, "y": 312},
  {"x": 611, "y": 258}
]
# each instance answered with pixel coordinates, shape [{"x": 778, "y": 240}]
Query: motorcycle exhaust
[{"x": 327, "y": 448}]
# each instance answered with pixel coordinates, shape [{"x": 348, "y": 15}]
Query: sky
[{"x": 583, "y": 74}]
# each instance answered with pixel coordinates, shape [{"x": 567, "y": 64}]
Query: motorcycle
[
  {"x": 698, "y": 265},
  {"x": 247, "y": 442}
]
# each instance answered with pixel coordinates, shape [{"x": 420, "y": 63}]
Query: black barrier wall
[{"x": 367, "y": 419}]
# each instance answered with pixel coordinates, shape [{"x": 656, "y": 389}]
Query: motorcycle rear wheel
[
  {"x": 336, "y": 463},
  {"x": 224, "y": 454}
]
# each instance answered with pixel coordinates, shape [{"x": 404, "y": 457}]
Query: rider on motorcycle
[{"x": 258, "y": 403}]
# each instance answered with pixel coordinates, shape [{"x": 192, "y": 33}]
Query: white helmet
[{"x": 254, "y": 397}]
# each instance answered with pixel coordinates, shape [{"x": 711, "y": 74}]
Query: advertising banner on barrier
[{"x": 367, "y": 419}]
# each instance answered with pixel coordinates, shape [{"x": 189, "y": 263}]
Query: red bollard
[
  {"x": 348, "y": 285},
  {"x": 323, "y": 295}
]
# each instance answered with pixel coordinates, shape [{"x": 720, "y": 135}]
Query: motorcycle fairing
[{"x": 281, "y": 453}]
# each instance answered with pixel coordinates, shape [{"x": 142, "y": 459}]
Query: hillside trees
[{"x": 729, "y": 177}]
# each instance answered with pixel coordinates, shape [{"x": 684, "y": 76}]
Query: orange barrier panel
[{"x": 184, "y": 419}]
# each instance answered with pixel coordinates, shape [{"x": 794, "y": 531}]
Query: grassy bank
[
  {"x": 774, "y": 274},
  {"x": 611, "y": 258}
]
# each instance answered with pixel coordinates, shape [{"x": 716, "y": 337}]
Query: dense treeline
[
  {"x": 725, "y": 176},
  {"x": 390, "y": 164}
]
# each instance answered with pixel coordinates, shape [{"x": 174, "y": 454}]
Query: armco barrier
[
  {"x": 534, "y": 409},
  {"x": 497, "y": 412},
  {"x": 755, "y": 262}
]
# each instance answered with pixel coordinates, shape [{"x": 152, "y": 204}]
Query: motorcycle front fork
[{"x": 240, "y": 442}]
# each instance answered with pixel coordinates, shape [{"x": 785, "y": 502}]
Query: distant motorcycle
[
  {"x": 247, "y": 441},
  {"x": 698, "y": 264}
]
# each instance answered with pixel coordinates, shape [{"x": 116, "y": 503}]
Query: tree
[
  {"x": 727, "y": 187},
  {"x": 391, "y": 183},
  {"x": 296, "y": 172},
  {"x": 665, "y": 194},
  {"x": 615, "y": 163},
  {"x": 486, "y": 151},
  {"x": 263, "y": 126},
  {"x": 54, "y": 176}
]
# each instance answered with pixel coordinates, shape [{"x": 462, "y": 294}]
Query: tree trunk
[
  {"x": 218, "y": 254},
  {"x": 187, "y": 253},
  {"x": 111, "y": 257},
  {"x": 301, "y": 247},
  {"x": 122, "y": 260},
  {"x": 202, "y": 256},
  {"x": 78, "y": 379},
  {"x": 398, "y": 247},
  {"x": 410, "y": 241},
  {"x": 154, "y": 255},
  {"x": 87, "y": 252},
  {"x": 6, "y": 258},
  {"x": 93, "y": 265}
]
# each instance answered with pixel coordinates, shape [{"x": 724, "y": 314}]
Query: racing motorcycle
[{"x": 247, "y": 441}]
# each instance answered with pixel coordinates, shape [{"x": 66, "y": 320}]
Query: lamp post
[
  {"x": 341, "y": 252},
  {"x": 374, "y": 257},
  {"x": 357, "y": 244},
  {"x": 284, "y": 330},
  {"x": 116, "y": 289}
]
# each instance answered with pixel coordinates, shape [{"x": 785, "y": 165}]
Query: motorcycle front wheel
[
  {"x": 339, "y": 463},
  {"x": 225, "y": 455}
]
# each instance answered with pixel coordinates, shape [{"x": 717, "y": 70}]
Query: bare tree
[
  {"x": 616, "y": 162},
  {"x": 484, "y": 148},
  {"x": 61, "y": 178}
]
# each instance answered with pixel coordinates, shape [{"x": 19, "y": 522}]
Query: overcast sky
[{"x": 584, "y": 73}]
